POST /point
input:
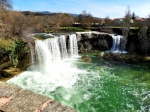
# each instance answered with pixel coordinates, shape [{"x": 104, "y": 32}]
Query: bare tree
[
  {"x": 5, "y": 4},
  {"x": 85, "y": 19},
  {"x": 126, "y": 26},
  {"x": 148, "y": 21},
  {"x": 107, "y": 20}
]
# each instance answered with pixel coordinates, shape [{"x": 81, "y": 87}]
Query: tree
[
  {"x": 18, "y": 23},
  {"x": 126, "y": 26},
  {"x": 67, "y": 20},
  {"x": 133, "y": 16},
  {"x": 143, "y": 46},
  {"x": 148, "y": 21},
  {"x": 107, "y": 20},
  {"x": 85, "y": 19},
  {"x": 127, "y": 17},
  {"x": 5, "y": 5}
]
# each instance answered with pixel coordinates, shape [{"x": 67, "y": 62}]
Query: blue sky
[{"x": 98, "y": 8}]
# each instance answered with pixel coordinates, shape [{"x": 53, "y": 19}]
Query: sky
[{"x": 98, "y": 8}]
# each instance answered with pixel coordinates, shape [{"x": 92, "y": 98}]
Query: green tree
[{"x": 133, "y": 16}]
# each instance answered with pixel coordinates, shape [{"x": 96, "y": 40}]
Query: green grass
[
  {"x": 120, "y": 27},
  {"x": 71, "y": 29},
  {"x": 67, "y": 29},
  {"x": 80, "y": 29}
]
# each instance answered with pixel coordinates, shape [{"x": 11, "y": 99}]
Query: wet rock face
[{"x": 94, "y": 41}]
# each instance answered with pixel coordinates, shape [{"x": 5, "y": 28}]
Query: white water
[
  {"x": 73, "y": 47},
  {"x": 63, "y": 48},
  {"x": 101, "y": 90},
  {"x": 116, "y": 46},
  {"x": 53, "y": 47},
  {"x": 50, "y": 70}
]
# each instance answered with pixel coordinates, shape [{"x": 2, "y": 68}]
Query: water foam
[{"x": 52, "y": 67}]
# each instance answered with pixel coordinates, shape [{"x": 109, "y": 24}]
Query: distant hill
[
  {"x": 75, "y": 15},
  {"x": 45, "y": 12},
  {"x": 49, "y": 13}
]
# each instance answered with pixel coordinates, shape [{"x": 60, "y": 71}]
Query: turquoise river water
[
  {"x": 120, "y": 88},
  {"x": 100, "y": 86}
]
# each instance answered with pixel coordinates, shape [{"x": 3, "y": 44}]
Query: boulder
[
  {"x": 86, "y": 58},
  {"x": 101, "y": 54}
]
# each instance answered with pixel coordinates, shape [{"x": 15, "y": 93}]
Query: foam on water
[
  {"x": 91, "y": 88},
  {"x": 52, "y": 68}
]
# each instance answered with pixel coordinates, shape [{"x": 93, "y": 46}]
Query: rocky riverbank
[
  {"x": 117, "y": 57},
  {"x": 16, "y": 99}
]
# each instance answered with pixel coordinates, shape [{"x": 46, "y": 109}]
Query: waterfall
[
  {"x": 63, "y": 48},
  {"x": 73, "y": 47},
  {"x": 92, "y": 88},
  {"x": 42, "y": 55},
  {"x": 116, "y": 45},
  {"x": 52, "y": 67},
  {"x": 53, "y": 46}
]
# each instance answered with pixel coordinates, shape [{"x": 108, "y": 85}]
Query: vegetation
[
  {"x": 15, "y": 25},
  {"x": 13, "y": 50}
]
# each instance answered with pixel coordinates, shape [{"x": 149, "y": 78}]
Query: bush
[{"x": 13, "y": 50}]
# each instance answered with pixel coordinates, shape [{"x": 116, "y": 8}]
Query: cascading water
[
  {"x": 50, "y": 69},
  {"x": 92, "y": 88},
  {"x": 43, "y": 56},
  {"x": 116, "y": 45},
  {"x": 53, "y": 46},
  {"x": 63, "y": 49},
  {"x": 73, "y": 47}
]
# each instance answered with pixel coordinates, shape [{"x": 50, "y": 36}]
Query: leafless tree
[
  {"x": 85, "y": 19},
  {"x": 5, "y": 7},
  {"x": 5, "y": 4},
  {"x": 126, "y": 26}
]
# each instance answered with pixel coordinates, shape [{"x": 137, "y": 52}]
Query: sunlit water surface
[
  {"x": 100, "y": 86},
  {"x": 97, "y": 87}
]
